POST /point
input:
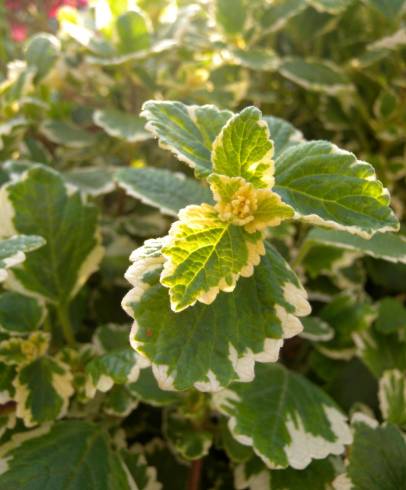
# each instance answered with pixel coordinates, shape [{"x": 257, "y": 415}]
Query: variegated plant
[{"x": 263, "y": 342}]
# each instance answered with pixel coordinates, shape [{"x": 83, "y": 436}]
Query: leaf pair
[{"x": 210, "y": 247}]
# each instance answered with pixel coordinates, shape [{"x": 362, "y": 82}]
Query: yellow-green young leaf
[
  {"x": 42, "y": 391},
  {"x": 243, "y": 148},
  {"x": 73, "y": 454},
  {"x": 392, "y": 397},
  {"x": 242, "y": 204},
  {"x": 317, "y": 75},
  {"x": 209, "y": 346},
  {"x": 187, "y": 131},
  {"x": 253, "y": 474},
  {"x": 12, "y": 251},
  {"x": 286, "y": 419},
  {"x": 160, "y": 188},
  {"x": 330, "y": 187},
  {"x": 121, "y": 125},
  {"x": 205, "y": 255},
  {"x": 184, "y": 437},
  {"x": 69, "y": 225},
  {"x": 20, "y": 314},
  {"x": 18, "y": 351}
]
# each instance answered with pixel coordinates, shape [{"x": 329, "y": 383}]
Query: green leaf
[
  {"x": 210, "y": 346},
  {"x": 93, "y": 181},
  {"x": 118, "y": 366},
  {"x": 283, "y": 134},
  {"x": 381, "y": 352},
  {"x": 243, "y": 148},
  {"x": 121, "y": 125},
  {"x": 238, "y": 453},
  {"x": 231, "y": 15},
  {"x": 185, "y": 438},
  {"x": 391, "y": 316},
  {"x": 69, "y": 225},
  {"x": 43, "y": 389},
  {"x": 389, "y": 8},
  {"x": 386, "y": 246},
  {"x": 257, "y": 59},
  {"x": 66, "y": 134},
  {"x": 12, "y": 251},
  {"x": 330, "y": 6},
  {"x": 172, "y": 472},
  {"x": 316, "y": 330},
  {"x": 147, "y": 390},
  {"x": 20, "y": 314},
  {"x": 133, "y": 32},
  {"x": 378, "y": 456},
  {"x": 285, "y": 418},
  {"x": 348, "y": 315},
  {"x": 254, "y": 474},
  {"x": 392, "y": 397},
  {"x": 71, "y": 454},
  {"x": 316, "y": 75},
  {"x": 41, "y": 52},
  {"x": 145, "y": 476},
  {"x": 111, "y": 337},
  {"x": 277, "y": 14},
  {"x": 330, "y": 187},
  {"x": 187, "y": 131},
  {"x": 205, "y": 255},
  {"x": 7, "y": 390},
  {"x": 158, "y": 47},
  {"x": 162, "y": 189},
  {"x": 119, "y": 402}
]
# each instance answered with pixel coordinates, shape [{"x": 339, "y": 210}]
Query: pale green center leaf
[
  {"x": 243, "y": 148},
  {"x": 206, "y": 255}
]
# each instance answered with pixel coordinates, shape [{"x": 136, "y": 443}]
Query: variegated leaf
[
  {"x": 12, "y": 251},
  {"x": 74, "y": 454},
  {"x": 209, "y": 346},
  {"x": 330, "y": 187},
  {"x": 69, "y": 225},
  {"x": 286, "y": 419},
  {"x": 187, "y": 131},
  {"x": 165, "y": 190}
]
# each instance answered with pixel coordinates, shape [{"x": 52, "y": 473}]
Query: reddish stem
[{"x": 195, "y": 474}]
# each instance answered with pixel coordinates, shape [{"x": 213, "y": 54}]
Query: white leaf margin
[{"x": 244, "y": 366}]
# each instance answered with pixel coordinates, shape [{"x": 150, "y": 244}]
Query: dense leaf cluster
[{"x": 202, "y": 270}]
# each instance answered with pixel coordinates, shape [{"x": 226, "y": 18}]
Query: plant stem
[
  {"x": 195, "y": 474},
  {"x": 64, "y": 320}
]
